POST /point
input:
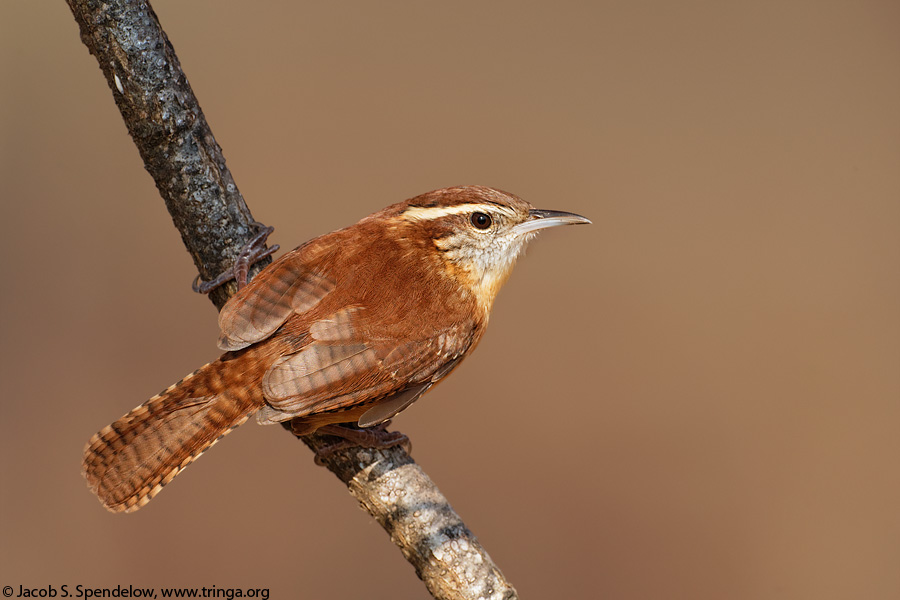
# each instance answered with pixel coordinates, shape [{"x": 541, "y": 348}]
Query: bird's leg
[
  {"x": 250, "y": 253},
  {"x": 371, "y": 437}
]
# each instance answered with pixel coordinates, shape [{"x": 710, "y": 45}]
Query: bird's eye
[{"x": 481, "y": 220}]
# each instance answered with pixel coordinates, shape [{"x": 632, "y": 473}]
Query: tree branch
[{"x": 180, "y": 153}]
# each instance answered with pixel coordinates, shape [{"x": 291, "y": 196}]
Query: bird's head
[{"x": 479, "y": 232}]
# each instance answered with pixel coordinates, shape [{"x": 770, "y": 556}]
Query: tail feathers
[{"x": 128, "y": 462}]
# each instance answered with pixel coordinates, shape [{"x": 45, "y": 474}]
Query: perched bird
[{"x": 350, "y": 327}]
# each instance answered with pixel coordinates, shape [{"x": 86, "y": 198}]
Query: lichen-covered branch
[
  {"x": 181, "y": 154},
  {"x": 391, "y": 487}
]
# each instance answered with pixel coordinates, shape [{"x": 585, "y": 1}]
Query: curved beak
[{"x": 541, "y": 219}]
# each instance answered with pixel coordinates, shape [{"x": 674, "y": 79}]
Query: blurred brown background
[{"x": 696, "y": 397}]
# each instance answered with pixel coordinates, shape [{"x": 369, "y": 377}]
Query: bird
[{"x": 348, "y": 328}]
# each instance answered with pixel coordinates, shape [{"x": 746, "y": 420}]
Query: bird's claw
[{"x": 251, "y": 253}]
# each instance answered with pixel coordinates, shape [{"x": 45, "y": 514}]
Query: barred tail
[{"x": 128, "y": 462}]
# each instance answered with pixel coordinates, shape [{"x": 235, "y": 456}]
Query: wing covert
[{"x": 255, "y": 312}]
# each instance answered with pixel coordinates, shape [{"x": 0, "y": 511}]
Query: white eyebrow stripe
[{"x": 420, "y": 213}]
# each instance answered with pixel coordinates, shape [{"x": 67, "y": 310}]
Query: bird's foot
[
  {"x": 252, "y": 252},
  {"x": 377, "y": 437}
]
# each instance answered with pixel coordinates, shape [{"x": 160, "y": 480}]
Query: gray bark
[
  {"x": 180, "y": 153},
  {"x": 170, "y": 132}
]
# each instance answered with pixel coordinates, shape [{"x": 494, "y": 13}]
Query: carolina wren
[{"x": 350, "y": 327}]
